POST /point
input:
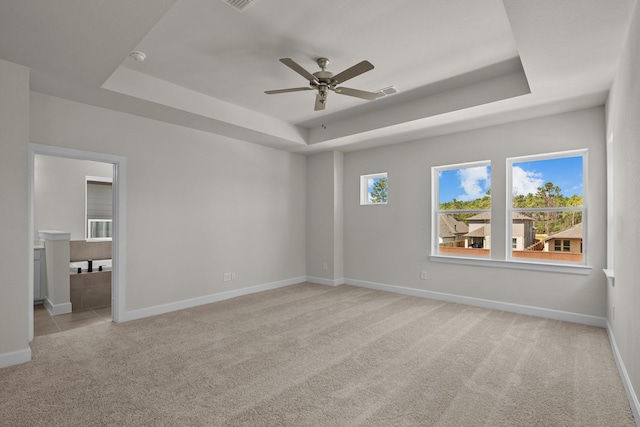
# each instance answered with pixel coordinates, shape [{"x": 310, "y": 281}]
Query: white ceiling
[{"x": 458, "y": 64}]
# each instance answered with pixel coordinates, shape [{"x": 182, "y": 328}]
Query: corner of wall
[
  {"x": 14, "y": 253},
  {"x": 624, "y": 375}
]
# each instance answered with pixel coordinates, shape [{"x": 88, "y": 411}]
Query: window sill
[
  {"x": 584, "y": 270},
  {"x": 611, "y": 278}
]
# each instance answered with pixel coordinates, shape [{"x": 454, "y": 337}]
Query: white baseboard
[
  {"x": 478, "y": 302},
  {"x": 207, "y": 299},
  {"x": 624, "y": 375},
  {"x": 15, "y": 357},
  {"x": 54, "y": 309},
  {"x": 323, "y": 281}
]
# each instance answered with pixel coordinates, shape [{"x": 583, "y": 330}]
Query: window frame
[
  {"x": 436, "y": 212},
  {"x": 510, "y": 161},
  {"x": 504, "y": 253},
  {"x": 89, "y": 179},
  {"x": 561, "y": 245},
  {"x": 364, "y": 188}
]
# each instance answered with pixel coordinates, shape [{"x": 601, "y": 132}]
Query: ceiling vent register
[
  {"x": 391, "y": 90},
  {"x": 240, "y": 5}
]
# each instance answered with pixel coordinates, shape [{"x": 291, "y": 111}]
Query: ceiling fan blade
[
  {"x": 352, "y": 72},
  {"x": 320, "y": 103},
  {"x": 293, "y": 89},
  {"x": 298, "y": 69},
  {"x": 357, "y": 93}
]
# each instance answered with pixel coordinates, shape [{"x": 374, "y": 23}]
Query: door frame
[{"x": 119, "y": 220}]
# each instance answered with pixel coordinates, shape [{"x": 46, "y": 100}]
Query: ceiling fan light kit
[{"x": 324, "y": 81}]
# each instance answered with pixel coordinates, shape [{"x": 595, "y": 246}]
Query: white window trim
[
  {"x": 584, "y": 209},
  {"x": 508, "y": 262},
  {"x": 435, "y": 208},
  {"x": 611, "y": 225},
  {"x": 364, "y": 190},
  {"x": 580, "y": 269}
]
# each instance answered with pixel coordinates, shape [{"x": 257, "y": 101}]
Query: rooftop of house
[
  {"x": 486, "y": 216},
  {"x": 574, "y": 232},
  {"x": 450, "y": 227}
]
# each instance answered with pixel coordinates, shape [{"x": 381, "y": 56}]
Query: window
[
  {"x": 548, "y": 207},
  {"x": 99, "y": 208},
  {"x": 462, "y": 209},
  {"x": 562, "y": 245},
  {"x": 373, "y": 189}
]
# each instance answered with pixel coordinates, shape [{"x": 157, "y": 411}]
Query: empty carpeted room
[{"x": 321, "y": 213}]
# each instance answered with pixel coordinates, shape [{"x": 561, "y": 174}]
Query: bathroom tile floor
[{"x": 44, "y": 323}]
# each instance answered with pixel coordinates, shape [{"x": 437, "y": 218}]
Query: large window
[
  {"x": 548, "y": 208},
  {"x": 545, "y": 223},
  {"x": 462, "y": 209}
]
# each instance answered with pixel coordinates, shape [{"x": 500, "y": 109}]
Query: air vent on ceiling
[
  {"x": 386, "y": 91},
  {"x": 240, "y": 5}
]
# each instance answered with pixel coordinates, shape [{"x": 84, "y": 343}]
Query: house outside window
[
  {"x": 462, "y": 209},
  {"x": 548, "y": 207}
]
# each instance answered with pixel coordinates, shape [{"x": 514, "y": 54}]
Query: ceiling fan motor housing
[{"x": 323, "y": 76}]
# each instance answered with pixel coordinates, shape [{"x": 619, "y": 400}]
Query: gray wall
[
  {"x": 14, "y": 138},
  {"x": 389, "y": 244},
  {"x": 198, "y": 205},
  {"x": 59, "y": 193},
  {"x": 338, "y": 212},
  {"x": 325, "y": 216},
  {"x": 624, "y": 123}
]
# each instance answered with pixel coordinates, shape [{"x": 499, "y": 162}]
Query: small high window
[{"x": 374, "y": 189}]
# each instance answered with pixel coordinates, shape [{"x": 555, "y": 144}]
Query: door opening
[{"x": 116, "y": 165}]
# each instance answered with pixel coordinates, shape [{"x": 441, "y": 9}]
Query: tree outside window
[
  {"x": 374, "y": 189},
  {"x": 378, "y": 193}
]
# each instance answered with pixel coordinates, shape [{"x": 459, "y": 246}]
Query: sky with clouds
[
  {"x": 473, "y": 183},
  {"x": 464, "y": 184}
]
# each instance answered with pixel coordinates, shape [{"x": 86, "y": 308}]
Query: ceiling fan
[{"x": 324, "y": 81}]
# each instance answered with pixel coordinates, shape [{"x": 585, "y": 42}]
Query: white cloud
[
  {"x": 525, "y": 182},
  {"x": 473, "y": 181}
]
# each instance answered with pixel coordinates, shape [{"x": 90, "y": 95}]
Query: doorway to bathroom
[{"x": 81, "y": 195}]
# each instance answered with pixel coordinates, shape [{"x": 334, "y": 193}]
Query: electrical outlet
[
  {"x": 226, "y": 277},
  {"x": 233, "y": 275},
  {"x": 325, "y": 266},
  {"x": 423, "y": 275}
]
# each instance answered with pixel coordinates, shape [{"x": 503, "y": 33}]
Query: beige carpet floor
[{"x": 311, "y": 355}]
